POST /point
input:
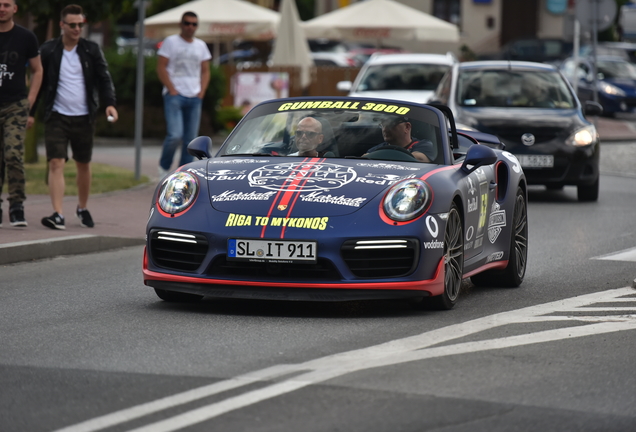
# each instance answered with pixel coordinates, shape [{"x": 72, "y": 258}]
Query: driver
[
  {"x": 308, "y": 137},
  {"x": 396, "y": 131}
]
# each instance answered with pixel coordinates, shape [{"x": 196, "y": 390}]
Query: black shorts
[{"x": 60, "y": 130}]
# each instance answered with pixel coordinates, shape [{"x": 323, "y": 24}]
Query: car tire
[
  {"x": 453, "y": 261},
  {"x": 512, "y": 276},
  {"x": 177, "y": 297},
  {"x": 588, "y": 193}
]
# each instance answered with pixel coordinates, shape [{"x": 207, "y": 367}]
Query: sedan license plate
[
  {"x": 536, "y": 161},
  {"x": 277, "y": 251}
]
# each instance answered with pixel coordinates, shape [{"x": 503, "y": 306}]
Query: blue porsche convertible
[{"x": 335, "y": 199}]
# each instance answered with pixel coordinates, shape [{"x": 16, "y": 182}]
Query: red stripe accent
[
  {"x": 494, "y": 265},
  {"x": 434, "y": 286},
  {"x": 311, "y": 163},
  {"x": 275, "y": 203}
]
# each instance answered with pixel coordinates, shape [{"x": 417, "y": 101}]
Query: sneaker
[
  {"x": 16, "y": 216},
  {"x": 162, "y": 172},
  {"x": 55, "y": 221},
  {"x": 85, "y": 218}
]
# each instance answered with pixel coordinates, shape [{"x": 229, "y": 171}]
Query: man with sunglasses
[
  {"x": 396, "y": 131},
  {"x": 183, "y": 66},
  {"x": 18, "y": 49},
  {"x": 308, "y": 137},
  {"x": 76, "y": 78}
]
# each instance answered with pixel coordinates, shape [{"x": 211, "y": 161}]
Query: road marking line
[
  {"x": 624, "y": 255},
  {"x": 398, "y": 351}
]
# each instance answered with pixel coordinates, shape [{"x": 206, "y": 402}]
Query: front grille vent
[
  {"x": 175, "y": 250},
  {"x": 380, "y": 258},
  {"x": 322, "y": 271}
]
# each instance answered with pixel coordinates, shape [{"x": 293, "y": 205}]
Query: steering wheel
[{"x": 392, "y": 152}]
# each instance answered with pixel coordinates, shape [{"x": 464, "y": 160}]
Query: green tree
[{"x": 95, "y": 11}]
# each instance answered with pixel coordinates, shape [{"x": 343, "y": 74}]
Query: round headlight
[
  {"x": 407, "y": 200},
  {"x": 178, "y": 192}
]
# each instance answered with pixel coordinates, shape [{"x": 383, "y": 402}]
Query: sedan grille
[
  {"x": 381, "y": 258},
  {"x": 180, "y": 251}
]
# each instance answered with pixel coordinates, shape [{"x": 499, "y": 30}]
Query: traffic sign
[{"x": 603, "y": 10}]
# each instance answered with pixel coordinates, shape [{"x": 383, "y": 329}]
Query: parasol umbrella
[
  {"x": 291, "y": 47},
  {"x": 378, "y": 20}
]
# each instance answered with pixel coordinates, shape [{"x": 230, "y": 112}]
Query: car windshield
[
  {"x": 616, "y": 69},
  {"x": 402, "y": 77},
  {"x": 513, "y": 88},
  {"x": 333, "y": 129}
]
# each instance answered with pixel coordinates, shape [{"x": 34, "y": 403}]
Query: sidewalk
[{"x": 120, "y": 217}]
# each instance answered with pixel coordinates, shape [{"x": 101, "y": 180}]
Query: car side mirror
[
  {"x": 200, "y": 147},
  {"x": 344, "y": 86},
  {"x": 477, "y": 156},
  {"x": 593, "y": 108}
]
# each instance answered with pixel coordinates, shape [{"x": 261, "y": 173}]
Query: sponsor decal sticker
[
  {"x": 285, "y": 177},
  {"x": 242, "y": 161},
  {"x": 433, "y": 227},
  {"x": 516, "y": 167},
  {"x": 384, "y": 179},
  {"x": 318, "y": 197},
  {"x": 497, "y": 220},
  {"x": 326, "y": 104},
  {"x": 495, "y": 256},
  {"x": 383, "y": 165},
  {"x": 434, "y": 244},
  {"x": 241, "y": 220},
  {"x": 242, "y": 196}
]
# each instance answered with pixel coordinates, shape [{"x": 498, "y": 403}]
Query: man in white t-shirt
[{"x": 183, "y": 66}]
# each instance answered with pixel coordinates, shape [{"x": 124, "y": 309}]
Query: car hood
[
  {"x": 496, "y": 120},
  {"x": 308, "y": 187},
  {"x": 418, "y": 96}
]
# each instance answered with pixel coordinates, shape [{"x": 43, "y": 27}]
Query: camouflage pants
[{"x": 13, "y": 120}]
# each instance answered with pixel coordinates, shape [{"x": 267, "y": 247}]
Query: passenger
[
  {"x": 308, "y": 137},
  {"x": 396, "y": 131}
]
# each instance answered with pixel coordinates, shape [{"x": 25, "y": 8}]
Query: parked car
[
  {"x": 615, "y": 83},
  {"x": 256, "y": 220},
  {"x": 409, "y": 77},
  {"x": 624, "y": 50},
  {"x": 532, "y": 108},
  {"x": 339, "y": 59}
]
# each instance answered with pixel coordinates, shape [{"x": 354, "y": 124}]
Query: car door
[{"x": 480, "y": 195}]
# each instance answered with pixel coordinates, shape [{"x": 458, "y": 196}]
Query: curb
[{"x": 73, "y": 245}]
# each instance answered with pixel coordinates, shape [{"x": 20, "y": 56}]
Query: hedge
[{"x": 123, "y": 69}]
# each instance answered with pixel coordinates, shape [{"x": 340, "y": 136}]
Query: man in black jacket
[{"x": 76, "y": 77}]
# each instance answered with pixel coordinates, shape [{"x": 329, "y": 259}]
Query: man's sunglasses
[
  {"x": 390, "y": 124},
  {"x": 74, "y": 25},
  {"x": 310, "y": 135},
  {"x": 190, "y": 23}
]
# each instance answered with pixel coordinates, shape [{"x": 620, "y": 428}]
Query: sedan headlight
[
  {"x": 583, "y": 137},
  {"x": 178, "y": 192},
  {"x": 610, "y": 89},
  {"x": 407, "y": 200}
]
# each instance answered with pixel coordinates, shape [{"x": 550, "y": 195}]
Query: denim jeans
[{"x": 183, "y": 116}]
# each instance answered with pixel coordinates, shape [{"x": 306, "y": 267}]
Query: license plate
[
  {"x": 536, "y": 161},
  {"x": 277, "y": 251}
]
